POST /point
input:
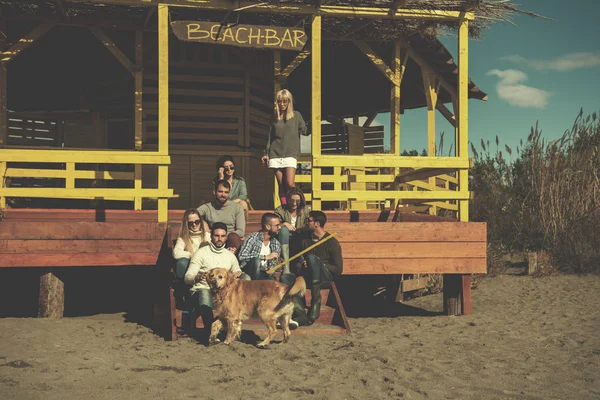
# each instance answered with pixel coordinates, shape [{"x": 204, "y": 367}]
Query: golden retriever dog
[{"x": 235, "y": 300}]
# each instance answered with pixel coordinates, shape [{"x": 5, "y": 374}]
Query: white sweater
[
  {"x": 179, "y": 250},
  {"x": 207, "y": 258}
]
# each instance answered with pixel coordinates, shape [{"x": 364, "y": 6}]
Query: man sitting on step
[
  {"x": 261, "y": 250},
  {"x": 320, "y": 266},
  {"x": 221, "y": 209},
  {"x": 215, "y": 255}
]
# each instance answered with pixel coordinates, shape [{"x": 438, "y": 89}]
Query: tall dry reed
[{"x": 547, "y": 198}]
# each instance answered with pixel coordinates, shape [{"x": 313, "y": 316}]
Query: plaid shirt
[{"x": 252, "y": 246}]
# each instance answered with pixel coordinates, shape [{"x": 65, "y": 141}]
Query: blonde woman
[
  {"x": 283, "y": 145},
  {"x": 193, "y": 234}
]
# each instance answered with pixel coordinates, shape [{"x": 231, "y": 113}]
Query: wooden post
[
  {"x": 316, "y": 107},
  {"x": 70, "y": 176},
  {"x": 2, "y": 183},
  {"x": 277, "y": 88},
  {"x": 466, "y": 295},
  {"x": 452, "y": 294},
  {"x": 431, "y": 95},
  {"x": 463, "y": 114},
  {"x": 163, "y": 106},
  {"x": 395, "y": 110},
  {"x": 138, "y": 113},
  {"x": 3, "y": 104},
  {"x": 395, "y": 101},
  {"x": 52, "y": 296}
]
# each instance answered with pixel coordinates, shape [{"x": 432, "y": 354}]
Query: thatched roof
[
  {"x": 349, "y": 28},
  {"x": 340, "y": 85}
]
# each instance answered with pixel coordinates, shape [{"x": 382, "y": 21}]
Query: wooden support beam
[
  {"x": 424, "y": 64},
  {"x": 463, "y": 112},
  {"x": 333, "y": 11},
  {"x": 25, "y": 42},
  {"x": 316, "y": 106},
  {"x": 163, "y": 106},
  {"x": 52, "y": 296},
  {"x": 138, "y": 111},
  {"x": 446, "y": 113},
  {"x": 370, "y": 118},
  {"x": 377, "y": 61},
  {"x": 114, "y": 50},
  {"x": 3, "y": 105},
  {"x": 283, "y": 75},
  {"x": 395, "y": 100},
  {"x": 3, "y": 169},
  {"x": 431, "y": 95}
]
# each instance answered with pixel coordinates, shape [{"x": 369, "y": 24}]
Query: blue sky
[{"x": 537, "y": 70}]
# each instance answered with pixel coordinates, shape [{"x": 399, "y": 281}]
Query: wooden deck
[{"x": 373, "y": 242}]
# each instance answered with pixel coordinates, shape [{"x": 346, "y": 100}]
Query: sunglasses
[
  {"x": 229, "y": 168},
  {"x": 193, "y": 223},
  {"x": 283, "y": 101},
  {"x": 295, "y": 201}
]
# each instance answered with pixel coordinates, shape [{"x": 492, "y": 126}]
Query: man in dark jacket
[{"x": 319, "y": 268}]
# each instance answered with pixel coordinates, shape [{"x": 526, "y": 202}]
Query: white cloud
[
  {"x": 563, "y": 63},
  {"x": 512, "y": 90}
]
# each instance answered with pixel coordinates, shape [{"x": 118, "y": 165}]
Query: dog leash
[{"x": 271, "y": 271}]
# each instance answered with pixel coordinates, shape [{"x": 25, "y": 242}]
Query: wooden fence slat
[
  {"x": 76, "y": 260},
  {"x": 376, "y": 249},
  {"x": 11, "y": 230},
  {"x": 37, "y": 246},
  {"x": 415, "y": 266}
]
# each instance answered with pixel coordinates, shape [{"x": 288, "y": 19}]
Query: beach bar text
[{"x": 276, "y": 37}]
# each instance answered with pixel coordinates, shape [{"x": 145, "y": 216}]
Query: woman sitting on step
[
  {"x": 239, "y": 189},
  {"x": 294, "y": 223},
  {"x": 193, "y": 234}
]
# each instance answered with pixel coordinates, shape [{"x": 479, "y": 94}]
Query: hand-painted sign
[{"x": 274, "y": 37}]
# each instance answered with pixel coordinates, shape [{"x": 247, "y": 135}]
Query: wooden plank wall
[{"x": 220, "y": 103}]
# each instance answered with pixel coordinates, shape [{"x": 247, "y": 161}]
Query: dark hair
[
  {"x": 295, "y": 191},
  {"x": 319, "y": 216},
  {"x": 266, "y": 219},
  {"x": 218, "y": 225},
  {"x": 222, "y": 182},
  {"x": 222, "y": 160}
]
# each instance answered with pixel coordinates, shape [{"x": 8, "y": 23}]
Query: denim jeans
[
  {"x": 181, "y": 267},
  {"x": 315, "y": 272},
  {"x": 256, "y": 273}
]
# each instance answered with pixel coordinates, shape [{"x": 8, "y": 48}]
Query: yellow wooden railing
[
  {"x": 359, "y": 183},
  {"x": 69, "y": 160}
]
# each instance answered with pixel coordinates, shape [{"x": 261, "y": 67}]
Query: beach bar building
[{"x": 114, "y": 112}]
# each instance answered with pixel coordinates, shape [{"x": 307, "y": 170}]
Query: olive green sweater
[{"x": 284, "y": 137}]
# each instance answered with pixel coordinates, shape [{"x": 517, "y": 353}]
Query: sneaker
[{"x": 293, "y": 325}]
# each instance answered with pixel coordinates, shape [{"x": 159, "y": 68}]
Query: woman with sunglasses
[
  {"x": 283, "y": 144},
  {"x": 194, "y": 233},
  {"x": 294, "y": 221},
  {"x": 239, "y": 190}
]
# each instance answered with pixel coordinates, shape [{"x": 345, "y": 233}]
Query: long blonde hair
[
  {"x": 184, "y": 231},
  {"x": 285, "y": 94}
]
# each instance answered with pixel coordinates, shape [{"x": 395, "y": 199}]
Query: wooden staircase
[{"x": 332, "y": 320}]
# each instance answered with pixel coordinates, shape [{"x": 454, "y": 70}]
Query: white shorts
[{"x": 287, "y": 162}]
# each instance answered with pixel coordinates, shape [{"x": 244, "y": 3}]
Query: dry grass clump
[{"x": 548, "y": 198}]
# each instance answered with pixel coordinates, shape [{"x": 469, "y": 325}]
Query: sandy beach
[{"x": 528, "y": 338}]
